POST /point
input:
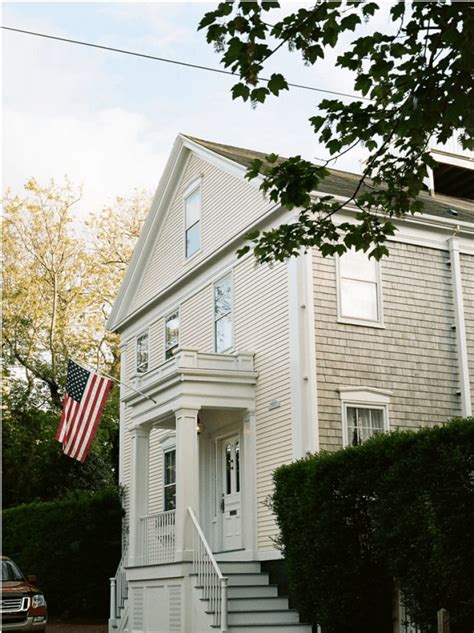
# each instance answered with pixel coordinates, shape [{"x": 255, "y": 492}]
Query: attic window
[{"x": 192, "y": 210}]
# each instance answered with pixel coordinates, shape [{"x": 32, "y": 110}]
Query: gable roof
[
  {"x": 236, "y": 160},
  {"x": 343, "y": 183}
]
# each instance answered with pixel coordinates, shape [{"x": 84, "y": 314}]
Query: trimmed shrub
[
  {"x": 401, "y": 506},
  {"x": 72, "y": 545}
]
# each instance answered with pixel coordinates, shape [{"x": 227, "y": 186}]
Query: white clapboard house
[{"x": 241, "y": 368}]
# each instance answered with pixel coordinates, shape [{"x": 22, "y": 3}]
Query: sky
[{"x": 108, "y": 121}]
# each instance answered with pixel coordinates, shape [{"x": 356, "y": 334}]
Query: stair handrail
[
  {"x": 118, "y": 588},
  {"x": 209, "y": 576}
]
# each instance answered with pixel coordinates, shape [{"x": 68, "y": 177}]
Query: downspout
[{"x": 461, "y": 342}]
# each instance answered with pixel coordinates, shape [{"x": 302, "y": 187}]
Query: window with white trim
[
  {"x": 223, "y": 334},
  {"x": 359, "y": 289},
  {"x": 192, "y": 212},
  {"x": 142, "y": 354},
  {"x": 171, "y": 334},
  {"x": 169, "y": 485},
  {"x": 363, "y": 422},
  {"x": 365, "y": 413}
]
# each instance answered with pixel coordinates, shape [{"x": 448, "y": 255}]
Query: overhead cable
[{"x": 173, "y": 61}]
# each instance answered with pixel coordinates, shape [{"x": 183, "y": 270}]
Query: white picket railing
[
  {"x": 158, "y": 538},
  {"x": 118, "y": 589},
  {"x": 209, "y": 576}
]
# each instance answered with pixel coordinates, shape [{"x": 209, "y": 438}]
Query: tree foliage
[
  {"x": 401, "y": 506},
  {"x": 415, "y": 84},
  {"x": 60, "y": 279},
  {"x": 72, "y": 545}
]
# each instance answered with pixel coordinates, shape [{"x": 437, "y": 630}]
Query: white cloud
[{"x": 110, "y": 152}]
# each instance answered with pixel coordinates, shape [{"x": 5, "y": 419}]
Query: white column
[
  {"x": 187, "y": 479},
  {"x": 249, "y": 505},
  {"x": 463, "y": 361},
  {"x": 140, "y": 438}
]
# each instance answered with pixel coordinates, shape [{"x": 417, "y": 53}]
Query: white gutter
[{"x": 461, "y": 342}]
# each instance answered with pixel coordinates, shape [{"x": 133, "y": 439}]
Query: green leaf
[
  {"x": 208, "y": 19},
  {"x": 266, "y": 6},
  {"x": 363, "y": 83},
  {"x": 240, "y": 90},
  {"x": 252, "y": 235},
  {"x": 243, "y": 251},
  {"x": 350, "y": 22},
  {"x": 277, "y": 83},
  {"x": 370, "y": 8},
  {"x": 259, "y": 94}
]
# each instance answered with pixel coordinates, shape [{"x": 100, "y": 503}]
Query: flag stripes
[{"x": 84, "y": 400}]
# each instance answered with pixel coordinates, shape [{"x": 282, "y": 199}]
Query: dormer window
[{"x": 192, "y": 211}]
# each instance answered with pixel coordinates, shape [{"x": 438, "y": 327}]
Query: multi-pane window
[
  {"x": 192, "y": 210},
  {"x": 171, "y": 334},
  {"x": 142, "y": 353},
  {"x": 359, "y": 288},
  {"x": 223, "y": 314},
  {"x": 362, "y": 423},
  {"x": 170, "y": 480}
]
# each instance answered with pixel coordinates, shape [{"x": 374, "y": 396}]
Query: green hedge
[
  {"x": 401, "y": 507},
  {"x": 72, "y": 545}
]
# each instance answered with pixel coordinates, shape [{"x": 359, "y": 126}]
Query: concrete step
[
  {"x": 263, "y": 617},
  {"x": 252, "y": 591},
  {"x": 237, "y": 566},
  {"x": 257, "y": 604},
  {"x": 236, "y": 579}
]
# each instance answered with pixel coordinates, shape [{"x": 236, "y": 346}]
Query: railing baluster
[
  {"x": 158, "y": 538},
  {"x": 209, "y": 576}
]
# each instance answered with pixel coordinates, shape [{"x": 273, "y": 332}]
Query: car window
[{"x": 10, "y": 571}]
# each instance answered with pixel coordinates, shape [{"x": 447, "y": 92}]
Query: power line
[{"x": 173, "y": 61}]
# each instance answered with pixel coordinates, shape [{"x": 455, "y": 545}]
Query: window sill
[
  {"x": 193, "y": 256},
  {"x": 373, "y": 324}
]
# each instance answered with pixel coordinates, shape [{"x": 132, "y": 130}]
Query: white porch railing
[
  {"x": 118, "y": 589},
  {"x": 158, "y": 538},
  {"x": 209, "y": 576}
]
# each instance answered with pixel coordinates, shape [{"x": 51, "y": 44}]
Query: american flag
[{"x": 84, "y": 400}]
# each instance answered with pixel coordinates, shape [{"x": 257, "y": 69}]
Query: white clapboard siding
[
  {"x": 131, "y": 357},
  {"x": 467, "y": 268},
  {"x": 196, "y": 321},
  {"x": 414, "y": 357},
  {"x": 229, "y": 204},
  {"x": 261, "y": 326}
]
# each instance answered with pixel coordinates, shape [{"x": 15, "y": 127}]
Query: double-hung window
[
  {"x": 223, "y": 314},
  {"x": 359, "y": 289},
  {"x": 170, "y": 480},
  {"x": 192, "y": 212},
  {"x": 171, "y": 334},
  {"x": 362, "y": 423},
  {"x": 142, "y": 354},
  {"x": 365, "y": 413}
]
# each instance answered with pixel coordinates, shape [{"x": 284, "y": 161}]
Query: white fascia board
[
  {"x": 147, "y": 237},
  {"x": 221, "y": 162}
]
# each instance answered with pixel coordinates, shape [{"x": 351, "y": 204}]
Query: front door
[{"x": 230, "y": 499}]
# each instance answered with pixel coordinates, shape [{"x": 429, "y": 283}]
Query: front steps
[{"x": 253, "y": 605}]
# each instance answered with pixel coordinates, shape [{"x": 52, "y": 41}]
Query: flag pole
[{"x": 118, "y": 381}]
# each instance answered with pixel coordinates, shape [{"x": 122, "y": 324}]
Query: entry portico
[{"x": 207, "y": 402}]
